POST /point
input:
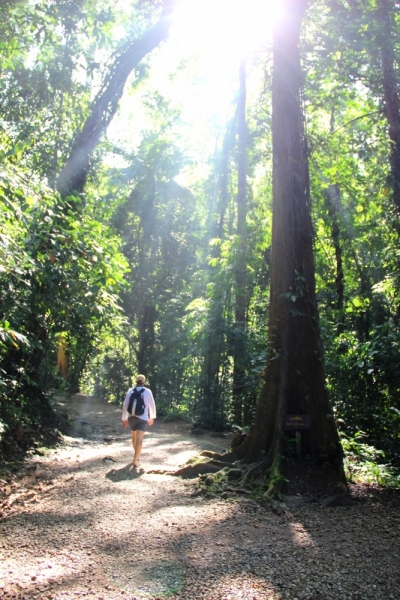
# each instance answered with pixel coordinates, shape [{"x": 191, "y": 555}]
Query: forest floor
[{"x": 79, "y": 521}]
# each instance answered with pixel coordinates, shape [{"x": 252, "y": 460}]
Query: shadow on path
[{"x": 125, "y": 473}]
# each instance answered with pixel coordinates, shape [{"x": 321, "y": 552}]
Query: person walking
[{"x": 139, "y": 423}]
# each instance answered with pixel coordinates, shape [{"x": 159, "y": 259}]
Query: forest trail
[{"x": 79, "y": 521}]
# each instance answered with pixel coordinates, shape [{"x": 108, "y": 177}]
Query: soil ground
[{"x": 79, "y": 521}]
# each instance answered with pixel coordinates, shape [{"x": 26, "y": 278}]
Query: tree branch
[
  {"x": 374, "y": 112},
  {"x": 72, "y": 178}
]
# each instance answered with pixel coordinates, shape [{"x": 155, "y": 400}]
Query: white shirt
[{"x": 150, "y": 407}]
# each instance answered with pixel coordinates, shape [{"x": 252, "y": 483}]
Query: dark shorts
[{"x": 137, "y": 424}]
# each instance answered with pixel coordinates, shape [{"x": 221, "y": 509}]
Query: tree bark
[
  {"x": 72, "y": 178},
  {"x": 294, "y": 377},
  {"x": 239, "y": 357},
  {"x": 391, "y": 96},
  {"x": 332, "y": 200}
]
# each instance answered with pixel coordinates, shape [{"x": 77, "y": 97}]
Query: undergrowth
[{"x": 366, "y": 464}]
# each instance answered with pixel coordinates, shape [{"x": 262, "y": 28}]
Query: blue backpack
[{"x": 136, "y": 405}]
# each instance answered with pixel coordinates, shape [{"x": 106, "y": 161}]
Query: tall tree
[
  {"x": 157, "y": 224},
  {"x": 391, "y": 95},
  {"x": 103, "y": 108},
  {"x": 239, "y": 356},
  {"x": 294, "y": 377},
  {"x": 210, "y": 409}
]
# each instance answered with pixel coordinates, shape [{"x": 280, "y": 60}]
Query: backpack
[{"x": 136, "y": 405}]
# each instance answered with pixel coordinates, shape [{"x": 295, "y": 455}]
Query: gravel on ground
[{"x": 80, "y": 521}]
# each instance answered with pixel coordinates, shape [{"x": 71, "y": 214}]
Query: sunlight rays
[{"x": 196, "y": 70}]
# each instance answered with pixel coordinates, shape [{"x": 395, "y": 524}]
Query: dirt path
[{"x": 80, "y": 522}]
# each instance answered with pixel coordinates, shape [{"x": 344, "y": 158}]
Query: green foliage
[
  {"x": 364, "y": 384},
  {"x": 357, "y": 268},
  {"x": 176, "y": 412},
  {"x": 156, "y": 219},
  {"x": 53, "y": 56},
  {"x": 139, "y": 274},
  {"x": 364, "y": 463},
  {"x": 110, "y": 370},
  {"x": 60, "y": 275}
]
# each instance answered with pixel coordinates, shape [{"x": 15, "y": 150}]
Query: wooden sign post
[{"x": 297, "y": 423}]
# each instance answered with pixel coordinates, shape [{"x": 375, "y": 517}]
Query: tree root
[
  {"x": 192, "y": 471},
  {"x": 252, "y": 472},
  {"x": 275, "y": 480},
  {"x": 226, "y": 457},
  {"x": 243, "y": 491},
  {"x": 224, "y": 463}
]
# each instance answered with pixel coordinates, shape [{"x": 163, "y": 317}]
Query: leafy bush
[
  {"x": 60, "y": 276},
  {"x": 177, "y": 413},
  {"x": 364, "y": 463},
  {"x": 363, "y": 380}
]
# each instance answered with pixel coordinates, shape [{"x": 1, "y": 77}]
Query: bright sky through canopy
[
  {"x": 224, "y": 28},
  {"x": 211, "y": 36},
  {"x": 220, "y": 33}
]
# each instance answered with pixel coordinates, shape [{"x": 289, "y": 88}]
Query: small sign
[{"x": 297, "y": 422}]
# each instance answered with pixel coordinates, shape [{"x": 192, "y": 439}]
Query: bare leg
[
  {"x": 137, "y": 442},
  {"x": 134, "y": 441}
]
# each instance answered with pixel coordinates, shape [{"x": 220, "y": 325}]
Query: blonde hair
[{"x": 140, "y": 379}]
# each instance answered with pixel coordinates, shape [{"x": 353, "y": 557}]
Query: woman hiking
[{"x": 142, "y": 414}]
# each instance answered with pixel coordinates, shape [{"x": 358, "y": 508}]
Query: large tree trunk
[
  {"x": 239, "y": 356},
  {"x": 73, "y": 176},
  {"x": 294, "y": 377},
  {"x": 392, "y": 102}
]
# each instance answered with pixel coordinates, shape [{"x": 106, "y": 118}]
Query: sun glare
[
  {"x": 219, "y": 33},
  {"x": 225, "y": 28},
  {"x": 197, "y": 68}
]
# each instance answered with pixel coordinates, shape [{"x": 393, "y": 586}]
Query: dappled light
[
  {"x": 200, "y": 198},
  {"x": 300, "y": 535},
  {"x": 78, "y": 535}
]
